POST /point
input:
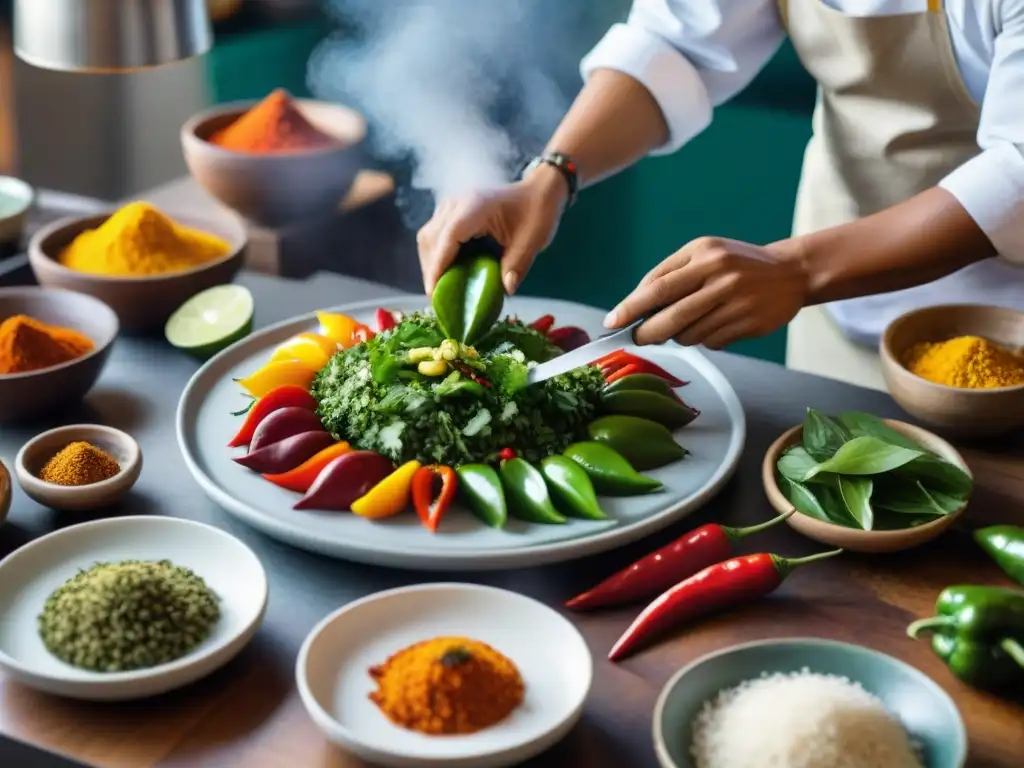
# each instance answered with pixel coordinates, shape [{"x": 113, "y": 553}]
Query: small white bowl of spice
[{"x": 78, "y": 468}]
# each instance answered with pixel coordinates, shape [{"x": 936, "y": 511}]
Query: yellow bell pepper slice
[
  {"x": 388, "y": 497},
  {"x": 310, "y": 348},
  {"x": 277, "y": 374},
  {"x": 337, "y": 327}
]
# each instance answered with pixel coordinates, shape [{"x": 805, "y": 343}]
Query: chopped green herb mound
[{"x": 410, "y": 393}]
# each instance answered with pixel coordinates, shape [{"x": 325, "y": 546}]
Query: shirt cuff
[
  {"x": 991, "y": 188},
  {"x": 672, "y": 80}
]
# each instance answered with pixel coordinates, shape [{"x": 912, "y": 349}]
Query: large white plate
[{"x": 205, "y": 425}]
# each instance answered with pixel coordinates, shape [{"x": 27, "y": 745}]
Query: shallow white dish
[
  {"x": 29, "y": 574},
  {"x": 205, "y": 425},
  {"x": 41, "y": 448},
  {"x": 334, "y": 682}
]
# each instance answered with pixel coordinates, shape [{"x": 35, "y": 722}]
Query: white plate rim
[
  {"x": 324, "y": 719},
  {"x": 512, "y": 557},
  {"x": 112, "y": 679}
]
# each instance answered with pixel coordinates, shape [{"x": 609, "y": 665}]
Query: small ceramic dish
[
  {"x": 966, "y": 412},
  {"x": 141, "y": 303},
  {"x": 79, "y": 498},
  {"x": 276, "y": 190},
  {"x": 30, "y": 574},
  {"x": 5, "y": 492},
  {"x": 334, "y": 682},
  {"x": 29, "y": 395},
  {"x": 16, "y": 199},
  {"x": 855, "y": 539},
  {"x": 925, "y": 710}
]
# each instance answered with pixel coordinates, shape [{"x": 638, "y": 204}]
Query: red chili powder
[{"x": 273, "y": 125}]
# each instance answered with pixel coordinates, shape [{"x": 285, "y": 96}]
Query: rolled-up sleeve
[
  {"x": 692, "y": 55},
  {"x": 991, "y": 186}
]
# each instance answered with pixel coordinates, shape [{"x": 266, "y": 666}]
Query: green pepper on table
[
  {"x": 468, "y": 298},
  {"x": 1005, "y": 545},
  {"x": 647, "y": 382},
  {"x": 480, "y": 487},
  {"x": 527, "y": 493},
  {"x": 646, "y": 404},
  {"x": 978, "y": 632},
  {"x": 571, "y": 488},
  {"x": 610, "y": 473},
  {"x": 645, "y": 444}
]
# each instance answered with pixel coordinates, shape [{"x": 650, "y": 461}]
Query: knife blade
[{"x": 588, "y": 353}]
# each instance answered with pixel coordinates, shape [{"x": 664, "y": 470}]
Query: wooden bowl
[
  {"x": 855, "y": 539},
  {"x": 964, "y": 412},
  {"x": 5, "y": 492},
  {"x": 277, "y": 190},
  {"x": 141, "y": 303},
  {"x": 25, "y": 396}
]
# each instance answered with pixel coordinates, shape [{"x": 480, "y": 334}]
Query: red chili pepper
[
  {"x": 431, "y": 505},
  {"x": 362, "y": 333},
  {"x": 653, "y": 574},
  {"x": 285, "y": 396},
  {"x": 619, "y": 359},
  {"x": 469, "y": 373},
  {"x": 544, "y": 323},
  {"x": 718, "y": 586},
  {"x": 385, "y": 320},
  {"x": 506, "y": 454},
  {"x": 626, "y": 370}
]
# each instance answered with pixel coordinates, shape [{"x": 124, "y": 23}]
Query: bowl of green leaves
[{"x": 866, "y": 484}]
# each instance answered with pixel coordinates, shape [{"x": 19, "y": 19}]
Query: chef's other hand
[
  {"x": 714, "y": 292},
  {"x": 522, "y": 217}
]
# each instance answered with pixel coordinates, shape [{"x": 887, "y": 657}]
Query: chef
[{"x": 912, "y": 189}]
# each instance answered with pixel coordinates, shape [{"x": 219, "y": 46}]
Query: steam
[{"x": 433, "y": 76}]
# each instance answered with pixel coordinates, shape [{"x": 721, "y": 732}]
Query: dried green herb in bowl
[
  {"x": 116, "y": 617},
  {"x": 856, "y": 471}
]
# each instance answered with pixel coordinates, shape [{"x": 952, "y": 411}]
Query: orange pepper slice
[
  {"x": 302, "y": 477},
  {"x": 278, "y": 374},
  {"x": 310, "y": 348},
  {"x": 337, "y": 327},
  {"x": 388, "y": 497}
]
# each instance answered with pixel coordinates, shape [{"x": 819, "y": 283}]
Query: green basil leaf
[
  {"x": 866, "y": 456},
  {"x": 822, "y": 503},
  {"x": 859, "y": 424},
  {"x": 897, "y": 521},
  {"x": 856, "y": 493},
  {"x": 913, "y": 498},
  {"x": 822, "y": 436},
  {"x": 795, "y": 463},
  {"x": 938, "y": 475}
]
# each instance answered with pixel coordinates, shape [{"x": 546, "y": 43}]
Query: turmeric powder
[
  {"x": 29, "y": 345},
  {"x": 139, "y": 240},
  {"x": 448, "y": 685},
  {"x": 966, "y": 362}
]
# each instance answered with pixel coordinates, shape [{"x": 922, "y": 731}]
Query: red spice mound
[{"x": 273, "y": 125}]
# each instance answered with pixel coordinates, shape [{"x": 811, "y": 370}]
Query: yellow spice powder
[{"x": 966, "y": 362}]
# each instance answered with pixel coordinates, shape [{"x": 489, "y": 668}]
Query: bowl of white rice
[{"x": 805, "y": 703}]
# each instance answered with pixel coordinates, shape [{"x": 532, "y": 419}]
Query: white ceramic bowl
[
  {"x": 30, "y": 574},
  {"x": 334, "y": 682},
  {"x": 80, "y": 498},
  {"x": 19, "y": 197}
]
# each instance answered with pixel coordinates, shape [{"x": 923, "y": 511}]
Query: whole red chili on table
[
  {"x": 431, "y": 504},
  {"x": 718, "y": 586},
  {"x": 654, "y": 573}
]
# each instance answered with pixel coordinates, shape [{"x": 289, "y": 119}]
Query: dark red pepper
[
  {"x": 620, "y": 358},
  {"x": 285, "y": 396},
  {"x": 653, "y": 574},
  {"x": 430, "y": 504},
  {"x": 385, "y": 320},
  {"x": 568, "y": 337},
  {"x": 506, "y": 454},
  {"x": 544, "y": 323},
  {"x": 718, "y": 586}
]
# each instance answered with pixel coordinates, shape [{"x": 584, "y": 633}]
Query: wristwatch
[{"x": 563, "y": 164}]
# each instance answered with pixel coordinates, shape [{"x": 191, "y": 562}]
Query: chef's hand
[
  {"x": 714, "y": 292},
  {"x": 522, "y": 217}
]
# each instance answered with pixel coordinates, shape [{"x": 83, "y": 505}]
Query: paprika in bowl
[
  {"x": 53, "y": 347},
  {"x": 247, "y": 156}
]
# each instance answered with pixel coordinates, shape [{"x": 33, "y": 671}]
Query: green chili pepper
[
  {"x": 480, "y": 488},
  {"x": 645, "y": 444},
  {"x": 468, "y": 298},
  {"x": 571, "y": 488},
  {"x": 643, "y": 381},
  {"x": 645, "y": 404},
  {"x": 1005, "y": 545},
  {"x": 979, "y": 634},
  {"x": 527, "y": 493},
  {"x": 610, "y": 473}
]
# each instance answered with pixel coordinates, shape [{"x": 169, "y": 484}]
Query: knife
[{"x": 588, "y": 353}]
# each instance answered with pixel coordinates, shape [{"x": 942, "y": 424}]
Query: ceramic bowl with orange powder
[{"x": 276, "y": 162}]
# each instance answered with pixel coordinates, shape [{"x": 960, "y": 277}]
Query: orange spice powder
[{"x": 274, "y": 125}]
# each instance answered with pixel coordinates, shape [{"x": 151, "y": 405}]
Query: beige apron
[{"x": 893, "y": 117}]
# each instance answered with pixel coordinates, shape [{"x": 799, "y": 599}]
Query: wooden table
[{"x": 249, "y": 714}]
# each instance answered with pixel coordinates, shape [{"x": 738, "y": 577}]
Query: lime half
[{"x": 211, "y": 320}]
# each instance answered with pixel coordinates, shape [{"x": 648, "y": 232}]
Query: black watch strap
[{"x": 563, "y": 164}]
